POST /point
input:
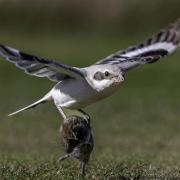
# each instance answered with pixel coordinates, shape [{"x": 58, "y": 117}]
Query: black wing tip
[
  {"x": 9, "y": 51},
  {"x": 4, "y": 47}
]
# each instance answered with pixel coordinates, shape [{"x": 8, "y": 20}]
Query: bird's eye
[{"x": 106, "y": 73}]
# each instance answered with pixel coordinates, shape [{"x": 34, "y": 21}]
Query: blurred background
[{"x": 142, "y": 119}]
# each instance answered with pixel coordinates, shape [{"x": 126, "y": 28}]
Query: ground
[{"x": 136, "y": 131}]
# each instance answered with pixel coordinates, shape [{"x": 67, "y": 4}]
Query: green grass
[{"x": 137, "y": 130}]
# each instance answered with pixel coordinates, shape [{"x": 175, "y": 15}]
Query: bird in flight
[{"x": 77, "y": 88}]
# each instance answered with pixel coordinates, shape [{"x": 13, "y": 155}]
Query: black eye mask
[{"x": 99, "y": 76}]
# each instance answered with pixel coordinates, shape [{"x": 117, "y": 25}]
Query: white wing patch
[
  {"x": 162, "y": 44},
  {"x": 170, "y": 47}
]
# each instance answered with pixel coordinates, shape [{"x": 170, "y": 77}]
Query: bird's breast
[
  {"x": 76, "y": 94},
  {"x": 72, "y": 93}
]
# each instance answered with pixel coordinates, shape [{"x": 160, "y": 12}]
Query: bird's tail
[{"x": 42, "y": 100}]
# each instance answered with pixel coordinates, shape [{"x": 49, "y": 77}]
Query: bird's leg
[
  {"x": 61, "y": 111},
  {"x": 87, "y": 116},
  {"x": 82, "y": 168},
  {"x": 62, "y": 158}
]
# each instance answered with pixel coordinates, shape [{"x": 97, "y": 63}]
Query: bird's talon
[{"x": 86, "y": 115}]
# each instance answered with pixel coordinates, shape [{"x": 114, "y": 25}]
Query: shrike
[{"x": 78, "y": 87}]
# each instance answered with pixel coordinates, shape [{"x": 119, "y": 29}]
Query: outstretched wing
[
  {"x": 162, "y": 44},
  {"x": 39, "y": 67}
]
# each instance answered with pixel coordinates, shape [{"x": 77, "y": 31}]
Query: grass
[
  {"x": 137, "y": 130},
  {"x": 132, "y": 167}
]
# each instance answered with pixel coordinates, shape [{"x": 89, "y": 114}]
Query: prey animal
[
  {"x": 77, "y": 139},
  {"x": 77, "y": 88}
]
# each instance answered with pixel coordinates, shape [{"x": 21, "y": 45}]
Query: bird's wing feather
[
  {"x": 39, "y": 67},
  {"x": 162, "y": 44}
]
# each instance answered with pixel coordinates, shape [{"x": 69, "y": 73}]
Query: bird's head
[{"x": 105, "y": 76}]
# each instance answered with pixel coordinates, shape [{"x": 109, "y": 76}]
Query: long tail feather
[{"x": 43, "y": 100}]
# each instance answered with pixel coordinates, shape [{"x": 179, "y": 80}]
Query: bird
[
  {"x": 77, "y": 88},
  {"x": 77, "y": 139}
]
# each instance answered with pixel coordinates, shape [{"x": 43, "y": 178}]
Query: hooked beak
[{"x": 118, "y": 79}]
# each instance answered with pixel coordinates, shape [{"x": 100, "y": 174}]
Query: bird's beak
[{"x": 118, "y": 79}]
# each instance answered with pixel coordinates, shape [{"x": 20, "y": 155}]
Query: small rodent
[{"x": 77, "y": 139}]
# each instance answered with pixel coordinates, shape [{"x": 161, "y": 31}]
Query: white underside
[
  {"x": 72, "y": 94},
  {"x": 77, "y": 94}
]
